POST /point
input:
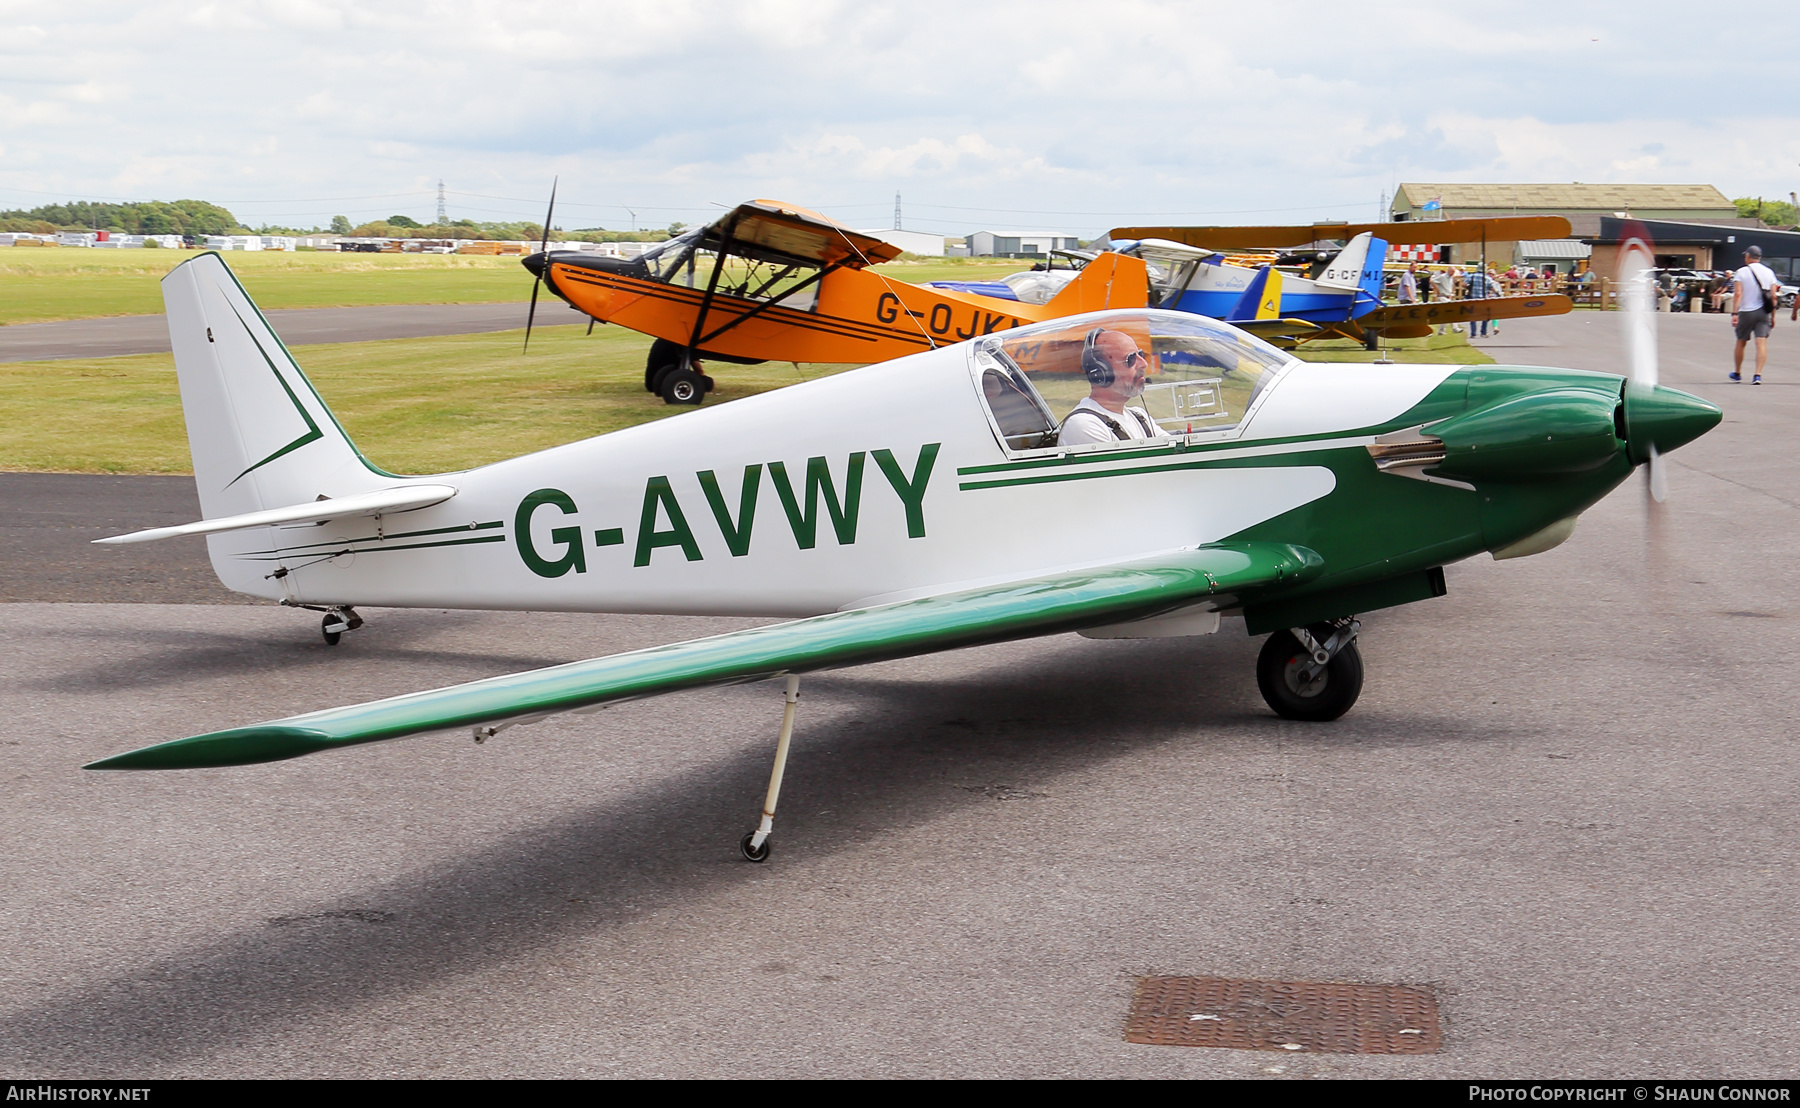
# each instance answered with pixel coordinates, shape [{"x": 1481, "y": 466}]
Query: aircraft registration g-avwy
[{"x": 912, "y": 506}]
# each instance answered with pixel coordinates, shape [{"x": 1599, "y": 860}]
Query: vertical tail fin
[
  {"x": 1109, "y": 281},
  {"x": 1346, "y": 271},
  {"x": 1358, "y": 268},
  {"x": 1261, "y": 298},
  {"x": 259, "y": 434}
]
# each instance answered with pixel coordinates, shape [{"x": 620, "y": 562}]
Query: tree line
[
  {"x": 406, "y": 227},
  {"x": 149, "y": 217},
  {"x": 1773, "y": 213},
  {"x": 198, "y": 217}
]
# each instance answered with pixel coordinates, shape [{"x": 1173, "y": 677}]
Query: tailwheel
[
  {"x": 1313, "y": 674},
  {"x": 336, "y": 622},
  {"x": 751, "y": 850}
]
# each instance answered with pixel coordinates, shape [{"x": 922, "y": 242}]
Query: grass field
[
  {"x": 38, "y": 285},
  {"x": 1452, "y": 348},
  {"x": 42, "y": 284},
  {"x": 413, "y": 405}
]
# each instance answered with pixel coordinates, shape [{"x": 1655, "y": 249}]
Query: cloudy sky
[{"x": 1048, "y": 114}]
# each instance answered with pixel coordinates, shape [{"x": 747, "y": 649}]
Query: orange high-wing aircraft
[{"x": 773, "y": 282}]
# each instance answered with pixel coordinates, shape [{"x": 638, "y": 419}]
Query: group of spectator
[
  {"x": 1754, "y": 293},
  {"x": 1422, "y": 287}
]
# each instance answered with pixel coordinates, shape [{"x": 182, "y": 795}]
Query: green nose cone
[{"x": 1664, "y": 418}]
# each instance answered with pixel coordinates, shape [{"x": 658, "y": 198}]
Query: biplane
[
  {"x": 929, "y": 503},
  {"x": 772, "y": 282},
  {"x": 1303, "y": 293}
]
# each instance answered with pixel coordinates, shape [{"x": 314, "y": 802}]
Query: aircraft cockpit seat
[{"x": 1022, "y": 421}]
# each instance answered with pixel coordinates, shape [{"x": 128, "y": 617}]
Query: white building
[
  {"x": 234, "y": 242},
  {"x": 277, "y": 242},
  {"x": 913, "y": 242},
  {"x": 989, "y": 244}
]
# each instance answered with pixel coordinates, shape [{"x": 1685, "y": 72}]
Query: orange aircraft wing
[
  {"x": 1439, "y": 312},
  {"x": 1509, "y": 228},
  {"x": 795, "y": 232}
]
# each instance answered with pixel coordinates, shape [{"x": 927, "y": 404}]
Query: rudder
[
  {"x": 1109, "y": 281},
  {"x": 259, "y": 434}
]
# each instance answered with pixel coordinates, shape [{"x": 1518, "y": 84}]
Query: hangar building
[{"x": 1585, "y": 206}]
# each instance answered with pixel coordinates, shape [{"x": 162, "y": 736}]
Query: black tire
[
  {"x": 663, "y": 355},
  {"x": 1322, "y": 700},
  {"x": 682, "y": 386},
  {"x": 758, "y": 855},
  {"x": 1371, "y": 340},
  {"x": 331, "y": 637}
]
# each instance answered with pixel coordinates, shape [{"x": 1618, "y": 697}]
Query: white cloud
[{"x": 1059, "y": 111}]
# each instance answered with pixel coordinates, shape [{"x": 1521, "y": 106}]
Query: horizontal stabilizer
[
  {"x": 1267, "y": 328},
  {"x": 1439, "y": 312},
  {"x": 403, "y": 499},
  {"x": 1138, "y": 589}
]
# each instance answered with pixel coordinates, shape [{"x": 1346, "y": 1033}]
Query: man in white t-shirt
[
  {"x": 1757, "y": 290},
  {"x": 1117, "y": 371}
]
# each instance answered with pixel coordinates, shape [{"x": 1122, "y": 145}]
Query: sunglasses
[{"x": 1138, "y": 356}]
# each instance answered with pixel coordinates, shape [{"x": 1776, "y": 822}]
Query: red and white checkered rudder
[{"x": 1414, "y": 252}]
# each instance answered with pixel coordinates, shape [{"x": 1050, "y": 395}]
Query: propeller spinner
[
  {"x": 1636, "y": 265},
  {"x": 1657, "y": 420}
]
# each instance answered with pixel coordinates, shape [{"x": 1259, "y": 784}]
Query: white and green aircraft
[{"x": 943, "y": 500}]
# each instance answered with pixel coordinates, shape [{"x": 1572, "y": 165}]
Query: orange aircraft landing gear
[{"x": 674, "y": 374}]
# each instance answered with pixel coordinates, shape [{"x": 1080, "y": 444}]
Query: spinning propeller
[
  {"x": 539, "y": 278},
  {"x": 1635, "y": 265}
]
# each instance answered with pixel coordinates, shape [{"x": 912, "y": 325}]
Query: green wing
[{"x": 1046, "y": 605}]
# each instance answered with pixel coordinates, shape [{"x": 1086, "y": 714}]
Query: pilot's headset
[{"x": 1099, "y": 371}]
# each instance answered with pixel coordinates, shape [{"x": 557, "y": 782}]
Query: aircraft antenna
[
  {"x": 443, "y": 217},
  {"x": 896, "y": 210}
]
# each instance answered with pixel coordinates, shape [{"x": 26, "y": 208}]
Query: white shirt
[
  {"x": 1079, "y": 430},
  {"x": 1751, "y": 280}
]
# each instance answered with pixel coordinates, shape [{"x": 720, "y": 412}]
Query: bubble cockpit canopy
[{"x": 1204, "y": 376}]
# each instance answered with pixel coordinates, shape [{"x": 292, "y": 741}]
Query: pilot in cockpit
[{"x": 1117, "y": 371}]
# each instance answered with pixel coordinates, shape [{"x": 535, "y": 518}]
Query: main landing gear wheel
[
  {"x": 683, "y": 386},
  {"x": 751, "y": 852},
  {"x": 1297, "y": 687},
  {"x": 664, "y": 355}
]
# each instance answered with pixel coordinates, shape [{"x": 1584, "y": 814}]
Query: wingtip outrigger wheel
[{"x": 755, "y": 845}]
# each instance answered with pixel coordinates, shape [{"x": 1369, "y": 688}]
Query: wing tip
[{"x": 241, "y": 746}]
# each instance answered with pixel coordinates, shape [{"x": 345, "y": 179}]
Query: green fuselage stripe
[
  {"x": 1198, "y": 463},
  {"x": 273, "y": 556},
  {"x": 387, "y": 538}
]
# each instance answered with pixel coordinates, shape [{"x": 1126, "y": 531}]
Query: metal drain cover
[{"x": 1317, "y": 1017}]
